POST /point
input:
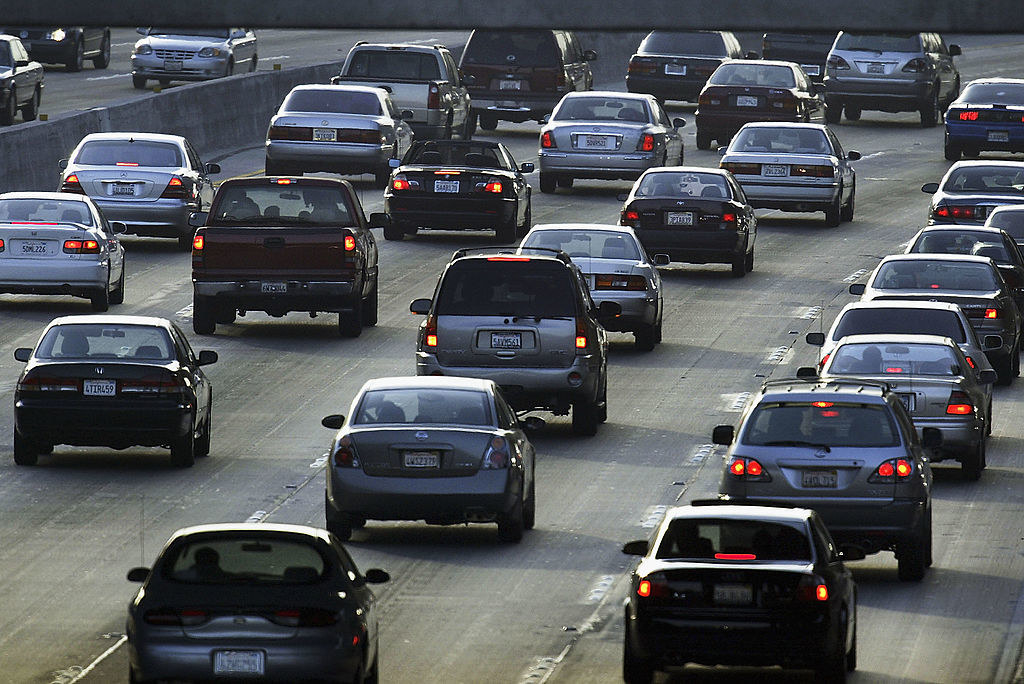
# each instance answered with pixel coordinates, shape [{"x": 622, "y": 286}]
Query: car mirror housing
[
  {"x": 640, "y": 547},
  {"x": 992, "y": 342},
  {"x": 662, "y": 260},
  {"x": 379, "y": 219},
  {"x": 987, "y": 376},
  {"x": 335, "y": 421},
  {"x": 589, "y": 55},
  {"x": 197, "y": 219},
  {"x": 807, "y": 373},
  {"x": 118, "y": 227},
  {"x": 394, "y": 163},
  {"x": 469, "y": 79},
  {"x": 533, "y": 423},
  {"x": 526, "y": 167},
  {"x": 206, "y": 357},
  {"x": 678, "y": 122},
  {"x": 955, "y": 50},
  {"x": 420, "y": 306},
  {"x": 930, "y": 188},
  {"x": 816, "y": 339},
  {"x": 376, "y": 576},
  {"x": 212, "y": 168},
  {"x": 138, "y": 574},
  {"x": 723, "y": 434},
  {"x": 857, "y": 288},
  {"x": 22, "y": 354},
  {"x": 62, "y": 164},
  {"x": 853, "y": 155}
]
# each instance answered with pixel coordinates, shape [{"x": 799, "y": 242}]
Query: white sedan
[{"x": 59, "y": 243}]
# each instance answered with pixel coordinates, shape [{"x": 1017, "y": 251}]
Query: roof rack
[{"x": 828, "y": 381}]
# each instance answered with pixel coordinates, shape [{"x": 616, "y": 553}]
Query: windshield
[
  {"x": 201, "y": 32},
  {"x": 591, "y": 108},
  {"x": 332, "y": 101},
  {"x": 907, "y": 274},
  {"x": 905, "y": 321},
  {"x": 751, "y": 73},
  {"x": 894, "y": 359},
  {"x": 282, "y": 204},
  {"x": 820, "y": 424},
  {"x": 781, "y": 140},
  {"x": 130, "y": 152},
  {"x": 879, "y": 42},
  {"x": 985, "y": 179},
  {"x": 732, "y": 540},
  {"x": 519, "y": 48},
  {"x": 994, "y": 93},
  {"x": 598, "y": 244},
  {"x": 45, "y": 211},
  {"x": 697, "y": 43},
  {"x": 105, "y": 341},
  {"x": 394, "y": 64},
  {"x": 241, "y": 560},
  {"x": 533, "y": 288},
  {"x": 672, "y": 184},
  {"x": 427, "y": 405}
]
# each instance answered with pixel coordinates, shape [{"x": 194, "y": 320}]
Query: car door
[
  {"x": 190, "y": 368},
  {"x": 749, "y": 217},
  {"x": 242, "y": 44},
  {"x": 204, "y": 185},
  {"x": 115, "y": 251},
  {"x": 403, "y": 132},
  {"x": 460, "y": 94},
  {"x": 673, "y": 140},
  {"x": 25, "y": 77},
  {"x": 519, "y": 182},
  {"x": 944, "y": 67},
  {"x": 846, "y": 173}
]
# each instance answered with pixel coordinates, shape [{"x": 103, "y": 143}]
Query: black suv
[
  {"x": 67, "y": 45},
  {"x": 528, "y": 323},
  {"x": 675, "y": 65}
]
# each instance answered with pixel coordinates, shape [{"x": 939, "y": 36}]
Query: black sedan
[
  {"x": 970, "y": 190},
  {"x": 21, "y": 82},
  {"x": 113, "y": 381},
  {"x": 253, "y": 601},
  {"x": 459, "y": 185},
  {"x": 735, "y": 584},
  {"x": 692, "y": 214}
]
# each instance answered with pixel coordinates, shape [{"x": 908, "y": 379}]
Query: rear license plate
[
  {"x": 33, "y": 247},
  {"x": 675, "y": 69},
  {"x": 679, "y": 218},
  {"x": 510, "y": 85},
  {"x": 876, "y": 68},
  {"x": 172, "y": 65},
  {"x": 600, "y": 142},
  {"x": 746, "y": 101},
  {"x": 270, "y": 288},
  {"x": 325, "y": 135},
  {"x": 446, "y": 186},
  {"x": 99, "y": 388},
  {"x": 909, "y": 401},
  {"x": 238, "y": 662},
  {"x": 999, "y": 136},
  {"x": 819, "y": 478},
  {"x": 421, "y": 459},
  {"x": 733, "y": 594},
  {"x": 811, "y": 69},
  {"x": 774, "y": 169},
  {"x": 125, "y": 189},
  {"x": 506, "y": 340}
]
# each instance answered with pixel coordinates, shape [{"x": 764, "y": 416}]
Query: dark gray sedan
[
  {"x": 445, "y": 450},
  {"x": 971, "y": 189}
]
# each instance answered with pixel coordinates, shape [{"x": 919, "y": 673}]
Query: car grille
[{"x": 178, "y": 55}]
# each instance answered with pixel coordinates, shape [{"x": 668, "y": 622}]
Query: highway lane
[{"x": 463, "y": 608}]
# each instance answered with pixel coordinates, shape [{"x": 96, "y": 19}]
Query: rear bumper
[
  {"x": 112, "y": 423},
  {"x": 958, "y": 436},
  {"x": 666, "y": 88},
  {"x": 887, "y": 95},
  {"x": 300, "y": 295},
  {"x": 976, "y": 135},
  {"x": 156, "y": 218},
  {"x": 626, "y": 166},
  {"x": 695, "y": 247},
  {"x": 638, "y": 309},
  {"x": 515, "y": 106},
  {"x": 725, "y": 124},
  {"x": 331, "y": 157},
  {"x": 788, "y": 196},
  {"x": 33, "y": 276},
  {"x": 448, "y": 213}
]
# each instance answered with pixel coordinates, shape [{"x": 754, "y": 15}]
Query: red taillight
[
  {"x": 507, "y": 258},
  {"x": 748, "y": 469},
  {"x": 493, "y": 186},
  {"x": 171, "y": 618},
  {"x": 968, "y": 116},
  {"x": 399, "y": 183},
  {"x": 892, "y": 471},
  {"x": 345, "y": 455},
  {"x": 198, "y": 242},
  {"x": 350, "y": 243},
  {"x": 822, "y": 404},
  {"x": 991, "y": 313},
  {"x": 824, "y": 360},
  {"x": 916, "y": 66},
  {"x": 304, "y": 617},
  {"x": 644, "y": 588},
  {"x": 903, "y": 468},
  {"x": 430, "y": 331},
  {"x": 152, "y": 388},
  {"x": 886, "y": 469},
  {"x": 175, "y": 189},
  {"x": 639, "y": 65},
  {"x": 433, "y": 97},
  {"x": 581, "y": 335},
  {"x": 496, "y": 456},
  {"x": 811, "y": 588},
  {"x": 812, "y": 170},
  {"x": 635, "y": 283},
  {"x": 837, "y": 62},
  {"x": 547, "y": 140},
  {"x": 629, "y": 218},
  {"x": 126, "y": 163},
  {"x": 735, "y": 556},
  {"x": 282, "y": 181},
  {"x": 959, "y": 404},
  {"x": 956, "y": 212},
  {"x": 970, "y": 361},
  {"x": 754, "y": 468},
  {"x": 653, "y": 586},
  {"x": 72, "y": 184},
  {"x": 2, "y": 246},
  {"x": 737, "y": 168},
  {"x": 81, "y": 247},
  {"x": 646, "y": 142},
  {"x": 728, "y": 218}
]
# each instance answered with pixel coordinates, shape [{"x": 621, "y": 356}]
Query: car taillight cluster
[
  {"x": 837, "y": 62},
  {"x": 917, "y": 65},
  {"x": 782, "y": 100},
  {"x": 403, "y": 182},
  {"x": 38, "y": 383},
  {"x": 640, "y": 66},
  {"x": 958, "y": 212},
  {"x": 547, "y": 140},
  {"x": 738, "y": 168},
  {"x": 748, "y": 469},
  {"x": 708, "y": 100},
  {"x": 2, "y": 245},
  {"x": 304, "y": 617},
  {"x": 646, "y": 143},
  {"x": 434, "y": 97},
  {"x": 812, "y": 170},
  {"x": 959, "y": 404},
  {"x": 492, "y": 186},
  {"x": 72, "y": 184},
  {"x": 151, "y": 388},
  {"x": 345, "y": 455},
  {"x": 350, "y": 243},
  {"x": 653, "y": 586},
  {"x": 581, "y": 336},
  {"x": 892, "y": 471},
  {"x": 430, "y": 331},
  {"x": 968, "y": 116},
  {"x": 497, "y": 455},
  {"x": 175, "y": 189},
  {"x": 168, "y": 617},
  {"x": 619, "y": 282},
  {"x": 81, "y": 247},
  {"x": 629, "y": 218},
  {"x": 811, "y": 588}
]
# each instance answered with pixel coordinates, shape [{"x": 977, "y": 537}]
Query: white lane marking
[
  {"x": 652, "y": 516},
  {"x": 811, "y": 313},
  {"x": 736, "y": 401},
  {"x": 777, "y": 355},
  {"x": 257, "y": 516},
  {"x": 600, "y": 588},
  {"x": 702, "y": 452},
  {"x": 873, "y": 154},
  {"x": 184, "y": 313},
  {"x": 122, "y": 44},
  {"x": 542, "y": 668},
  {"x": 99, "y": 659},
  {"x": 855, "y": 276},
  {"x": 8, "y": 385},
  {"x": 106, "y": 78},
  {"x": 264, "y": 59},
  {"x": 320, "y": 462}
]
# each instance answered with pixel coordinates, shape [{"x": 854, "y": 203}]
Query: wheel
[
  {"x": 584, "y": 418},
  {"x": 229, "y": 69},
  {"x": 139, "y": 82},
  {"x": 602, "y": 401},
  {"x": 833, "y": 214},
  {"x": 912, "y": 558},
  {"x": 185, "y": 242},
  {"x": 635, "y": 670},
  {"x": 204, "y": 315},
  {"x": 645, "y": 338},
  {"x": 202, "y": 443},
  {"x": 77, "y": 58},
  {"x": 833, "y": 112},
  {"x": 488, "y": 121},
  {"x": 846, "y": 212},
  {"x": 974, "y": 462},
  {"x": 102, "y": 60},
  {"x": 512, "y": 523},
  {"x": 506, "y": 232},
  {"x": 469, "y": 127},
  {"x": 832, "y": 668},
  {"x": 31, "y": 110},
  {"x": 952, "y": 151},
  {"x": 10, "y": 111},
  {"x": 739, "y": 265},
  {"x": 852, "y": 113},
  {"x": 226, "y": 314},
  {"x": 340, "y": 525},
  {"x": 657, "y": 326},
  {"x": 930, "y": 113},
  {"x": 381, "y": 176},
  {"x": 989, "y": 419},
  {"x": 26, "y": 452},
  {"x": 117, "y": 296},
  {"x": 350, "y": 323},
  {"x": 183, "y": 451},
  {"x": 522, "y": 230},
  {"x": 370, "y": 308},
  {"x": 254, "y": 63},
  {"x": 704, "y": 140},
  {"x": 851, "y": 655},
  {"x": 564, "y": 181},
  {"x": 373, "y": 675},
  {"x": 748, "y": 264},
  {"x": 530, "y": 508},
  {"x": 394, "y": 231},
  {"x": 1016, "y": 364},
  {"x": 100, "y": 299},
  {"x": 1004, "y": 369},
  {"x": 547, "y": 183}
]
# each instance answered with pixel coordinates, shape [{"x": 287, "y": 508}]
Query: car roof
[
  {"x": 34, "y": 194},
  {"x": 339, "y": 86},
  {"x": 607, "y": 227},
  {"x": 761, "y": 62},
  {"x": 428, "y": 382},
  {"x": 135, "y": 135},
  {"x": 801, "y": 125},
  {"x": 995, "y": 80},
  {"x": 112, "y": 319},
  {"x": 261, "y": 528},
  {"x": 936, "y": 256},
  {"x": 687, "y": 169},
  {"x": 887, "y": 338},
  {"x": 982, "y": 163},
  {"x": 608, "y": 93},
  {"x": 961, "y": 227},
  {"x": 795, "y": 389},
  {"x": 738, "y": 512},
  {"x": 398, "y": 46},
  {"x": 1006, "y": 209},
  {"x": 899, "y": 304}
]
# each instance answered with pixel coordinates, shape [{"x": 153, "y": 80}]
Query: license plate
[
  {"x": 506, "y": 340},
  {"x": 811, "y": 69},
  {"x": 421, "y": 459},
  {"x": 774, "y": 169},
  {"x": 999, "y": 136},
  {"x": 172, "y": 65},
  {"x": 675, "y": 69},
  {"x": 123, "y": 189},
  {"x": 876, "y": 68},
  {"x": 271, "y": 288},
  {"x": 733, "y": 594},
  {"x": 33, "y": 247},
  {"x": 510, "y": 85},
  {"x": 746, "y": 101},
  {"x": 819, "y": 478},
  {"x": 325, "y": 135},
  {"x": 446, "y": 186},
  {"x": 238, "y": 662},
  {"x": 679, "y": 218},
  {"x": 99, "y": 388},
  {"x": 601, "y": 142},
  {"x": 909, "y": 401}
]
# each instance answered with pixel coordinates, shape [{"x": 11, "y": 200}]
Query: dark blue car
[{"x": 988, "y": 115}]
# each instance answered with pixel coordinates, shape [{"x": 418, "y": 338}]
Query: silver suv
[
  {"x": 846, "y": 448},
  {"x": 526, "y": 322},
  {"x": 890, "y": 72}
]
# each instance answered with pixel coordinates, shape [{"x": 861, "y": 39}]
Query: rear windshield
[
  {"x": 332, "y": 102},
  {"x": 698, "y": 43},
  {"x": 599, "y": 244},
  {"x": 822, "y": 423},
  {"x": 535, "y": 288},
  {"x": 130, "y": 153},
  {"x": 997, "y": 179},
  {"x": 457, "y": 153},
  {"x": 683, "y": 184},
  {"x": 752, "y": 73},
  {"x": 963, "y": 242},
  {"x": 394, "y": 64},
  {"x": 521, "y": 48},
  {"x": 45, "y": 211},
  {"x": 900, "y": 321},
  {"x": 733, "y": 540},
  {"x": 994, "y": 93},
  {"x": 256, "y": 560},
  {"x": 879, "y": 42},
  {"x": 427, "y": 405},
  {"x": 274, "y": 204},
  {"x": 1010, "y": 221},
  {"x": 782, "y": 140},
  {"x": 894, "y": 359},
  {"x": 934, "y": 275},
  {"x": 106, "y": 341},
  {"x": 591, "y": 108}
]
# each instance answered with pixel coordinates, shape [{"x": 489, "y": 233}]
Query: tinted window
[
  {"x": 590, "y": 108},
  {"x": 47, "y": 211},
  {"x": 900, "y": 321},
  {"x": 703, "y": 43},
  {"x": 279, "y": 204},
  {"x": 129, "y": 153},
  {"x": 447, "y": 406},
  {"x": 522, "y": 48},
  {"x": 1010, "y": 221},
  {"x": 752, "y": 73},
  {"x": 985, "y": 179},
  {"x": 997, "y": 93},
  {"x": 5, "y": 54},
  {"x": 966, "y": 242},
  {"x": 332, "y": 101},
  {"x": 105, "y": 341},
  {"x": 782, "y": 139},
  {"x": 394, "y": 64},
  {"x": 880, "y": 42},
  {"x": 934, "y": 275},
  {"x": 828, "y": 423},
  {"x": 591, "y": 243},
  {"x": 256, "y": 560},
  {"x": 682, "y": 184},
  {"x": 507, "y": 288},
  {"x": 436, "y": 153},
  {"x": 894, "y": 359},
  {"x": 733, "y": 540}
]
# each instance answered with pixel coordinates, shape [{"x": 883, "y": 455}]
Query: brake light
[
  {"x": 72, "y": 184},
  {"x": 968, "y": 116},
  {"x": 970, "y": 361},
  {"x": 736, "y": 167},
  {"x": 639, "y": 66},
  {"x": 837, "y": 62},
  {"x": 304, "y": 617},
  {"x": 954, "y": 211},
  {"x": 492, "y": 186},
  {"x": 653, "y": 586},
  {"x": 812, "y": 170},
  {"x": 430, "y": 331},
  {"x": 735, "y": 556},
  {"x": 188, "y": 617},
  {"x": 81, "y": 247},
  {"x": 126, "y": 163},
  {"x": 903, "y": 468},
  {"x": 959, "y": 404},
  {"x": 142, "y": 388},
  {"x": 748, "y": 469},
  {"x": 350, "y": 243},
  {"x": 34, "y": 383},
  {"x": 434, "y": 97},
  {"x": 547, "y": 140},
  {"x": 581, "y": 335},
  {"x": 400, "y": 183},
  {"x": 175, "y": 189},
  {"x": 496, "y": 456},
  {"x": 892, "y": 471},
  {"x": 198, "y": 242},
  {"x": 507, "y": 258},
  {"x": 916, "y": 66},
  {"x": 822, "y": 404},
  {"x": 1, "y": 245},
  {"x": 345, "y": 455},
  {"x": 811, "y": 588},
  {"x": 646, "y": 142},
  {"x": 283, "y": 181},
  {"x": 991, "y": 313},
  {"x": 634, "y": 283},
  {"x": 728, "y": 218},
  {"x": 629, "y": 218},
  {"x": 705, "y": 99}
]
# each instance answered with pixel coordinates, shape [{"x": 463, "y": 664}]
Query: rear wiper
[{"x": 796, "y": 442}]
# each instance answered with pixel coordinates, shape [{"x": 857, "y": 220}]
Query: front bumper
[
  {"x": 192, "y": 69},
  {"x": 625, "y": 166},
  {"x": 331, "y": 157},
  {"x": 114, "y": 423}
]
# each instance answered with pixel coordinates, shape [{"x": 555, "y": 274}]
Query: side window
[
  {"x": 823, "y": 541},
  {"x": 584, "y": 291},
  {"x": 577, "y": 50},
  {"x": 563, "y": 47},
  {"x": 507, "y": 155},
  {"x": 506, "y": 418},
  {"x": 737, "y": 191},
  {"x": 453, "y": 70},
  {"x": 836, "y": 145},
  {"x": 19, "y": 51},
  {"x": 181, "y": 344},
  {"x": 193, "y": 159}
]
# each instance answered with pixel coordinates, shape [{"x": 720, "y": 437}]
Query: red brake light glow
[
  {"x": 430, "y": 332},
  {"x": 894, "y": 369},
  {"x": 821, "y": 592},
  {"x": 991, "y": 313},
  {"x": 127, "y": 163},
  {"x": 547, "y": 140},
  {"x": 903, "y": 468},
  {"x": 81, "y": 247},
  {"x": 197, "y": 242},
  {"x": 822, "y": 404},
  {"x": 738, "y": 467},
  {"x": 350, "y": 243},
  {"x": 968, "y": 116},
  {"x": 647, "y": 142},
  {"x": 886, "y": 469},
  {"x": 507, "y": 258},
  {"x": 728, "y": 218},
  {"x": 72, "y": 184},
  {"x": 284, "y": 181},
  {"x": 493, "y": 186},
  {"x": 399, "y": 184},
  {"x": 735, "y": 556},
  {"x": 970, "y": 361},
  {"x": 644, "y": 588}
]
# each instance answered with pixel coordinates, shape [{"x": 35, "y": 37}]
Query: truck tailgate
[{"x": 308, "y": 251}]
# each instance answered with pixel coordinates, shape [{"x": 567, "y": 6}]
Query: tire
[
  {"x": 340, "y": 526},
  {"x": 117, "y": 296},
  {"x": 373, "y": 676},
  {"x": 833, "y": 215},
  {"x": 832, "y": 668},
  {"x": 382, "y": 176},
  {"x": 31, "y": 110},
  {"x": 10, "y": 111},
  {"x": 394, "y": 231},
  {"x": 929, "y": 109},
  {"x": 530, "y": 507},
  {"x": 229, "y": 69},
  {"x": 202, "y": 443},
  {"x": 739, "y": 265},
  {"x": 846, "y": 212},
  {"x": 77, "y": 58},
  {"x": 833, "y": 113},
  {"x": 138, "y": 82},
  {"x": 564, "y": 181},
  {"x": 522, "y": 230},
  {"x": 350, "y": 323},
  {"x": 704, "y": 141},
  {"x": 469, "y": 126},
  {"x": 973, "y": 463},
  {"x": 748, "y": 263},
  {"x": 100, "y": 300},
  {"x": 951, "y": 150},
  {"x": 254, "y": 63},
  {"x": 851, "y": 655},
  {"x": 185, "y": 242},
  {"x": 1004, "y": 368},
  {"x": 912, "y": 558},
  {"x": 26, "y": 452},
  {"x": 370, "y": 308},
  {"x": 635, "y": 670},
  {"x": 506, "y": 232},
  {"x": 488, "y": 122},
  {"x": 102, "y": 60},
  {"x": 852, "y": 113},
  {"x": 645, "y": 338},
  {"x": 204, "y": 315},
  {"x": 183, "y": 451},
  {"x": 547, "y": 183},
  {"x": 512, "y": 523},
  {"x": 584, "y": 418},
  {"x": 226, "y": 314}
]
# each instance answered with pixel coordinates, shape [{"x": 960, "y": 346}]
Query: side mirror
[
  {"x": 609, "y": 309},
  {"x": 197, "y": 219},
  {"x": 751, "y": 55},
  {"x": 853, "y": 155},
  {"x": 22, "y": 354},
  {"x": 857, "y": 288},
  {"x": 335, "y": 421},
  {"x": 118, "y": 227},
  {"x": 335, "y": 80},
  {"x": 376, "y": 576},
  {"x": 526, "y": 167},
  {"x": 533, "y": 423},
  {"x": 815, "y": 339},
  {"x": 640, "y": 547},
  {"x": 142, "y": 30},
  {"x": 212, "y": 168},
  {"x": 992, "y": 342},
  {"x": 206, "y": 357},
  {"x": 406, "y": 114},
  {"x": 987, "y": 376},
  {"x": 723, "y": 434},
  {"x": 589, "y": 55},
  {"x": 544, "y": 119},
  {"x": 851, "y": 552},
  {"x": 379, "y": 219},
  {"x": 930, "y": 188},
  {"x": 662, "y": 260},
  {"x": 469, "y": 79},
  {"x": 238, "y": 33},
  {"x": 807, "y": 373},
  {"x": 931, "y": 438},
  {"x": 62, "y": 164},
  {"x": 420, "y": 306},
  {"x": 678, "y": 122},
  {"x": 955, "y": 51},
  {"x": 138, "y": 574},
  {"x": 394, "y": 163},
  {"x": 722, "y": 150}
]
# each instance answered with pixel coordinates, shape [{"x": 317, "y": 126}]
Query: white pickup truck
[{"x": 422, "y": 79}]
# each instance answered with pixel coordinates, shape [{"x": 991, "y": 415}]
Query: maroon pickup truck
[{"x": 284, "y": 244}]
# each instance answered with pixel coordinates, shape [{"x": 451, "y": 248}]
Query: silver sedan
[
  {"x": 616, "y": 268},
  {"x": 195, "y": 54},
  {"x": 606, "y": 135}
]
